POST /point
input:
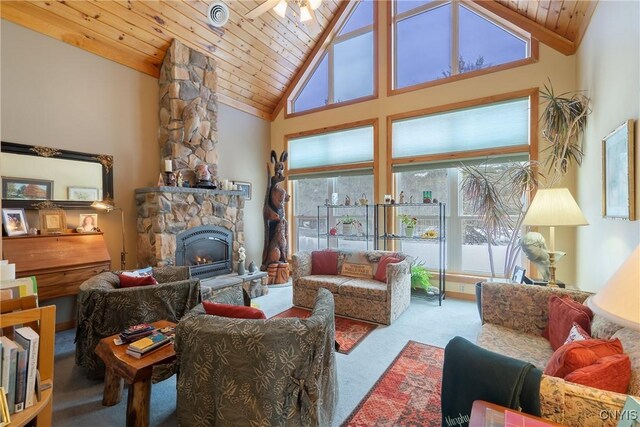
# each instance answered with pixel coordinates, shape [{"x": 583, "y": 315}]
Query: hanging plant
[{"x": 564, "y": 120}]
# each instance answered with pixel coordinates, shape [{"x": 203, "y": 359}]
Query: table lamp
[
  {"x": 107, "y": 205},
  {"x": 619, "y": 299},
  {"x": 554, "y": 207}
]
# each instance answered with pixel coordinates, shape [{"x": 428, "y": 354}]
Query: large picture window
[
  {"x": 434, "y": 40},
  {"x": 346, "y": 69}
]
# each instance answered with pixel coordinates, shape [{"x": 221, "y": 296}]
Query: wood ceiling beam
[{"x": 536, "y": 30}]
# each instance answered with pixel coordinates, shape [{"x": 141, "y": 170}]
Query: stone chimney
[{"x": 188, "y": 133}]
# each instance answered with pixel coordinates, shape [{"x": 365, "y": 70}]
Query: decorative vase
[
  {"x": 241, "y": 271},
  {"x": 347, "y": 229},
  {"x": 408, "y": 231}
]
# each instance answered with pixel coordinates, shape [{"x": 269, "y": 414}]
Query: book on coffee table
[{"x": 147, "y": 344}]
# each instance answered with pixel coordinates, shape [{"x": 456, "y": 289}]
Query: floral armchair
[
  {"x": 242, "y": 372},
  {"x": 104, "y": 309}
]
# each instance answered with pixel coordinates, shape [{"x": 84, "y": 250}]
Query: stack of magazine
[
  {"x": 134, "y": 333},
  {"x": 148, "y": 344}
]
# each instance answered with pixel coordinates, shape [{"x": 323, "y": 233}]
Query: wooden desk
[
  {"x": 485, "y": 414},
  {"x": 136, "y": 372}
]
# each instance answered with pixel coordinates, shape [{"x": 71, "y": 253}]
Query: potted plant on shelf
[
  {"x": 348, "y": 223},
  {"x": 409, "y": 223}
]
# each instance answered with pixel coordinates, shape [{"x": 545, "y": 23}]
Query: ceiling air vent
[{"x": 218, "y": 14}]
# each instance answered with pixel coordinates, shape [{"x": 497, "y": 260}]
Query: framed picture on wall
[
  {"x": 26, "y": 189},
  {"x": 618, "y": 172},
  {"x": 245, "y": 187},
  {"x": 83, "y": 193},
  {"x": 53, "y": 221}
]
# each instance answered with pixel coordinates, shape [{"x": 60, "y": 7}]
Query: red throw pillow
[
  {"x": 234, "y": 311},
  {"x": 127, "y": 281},
  {"x": 580, "y": 354},
  {"x": 612, "y": 373},
  {"x": 563, "y": 312},
  {"x": 324, "y": 262},
  {"x": 381, "y": 272}
]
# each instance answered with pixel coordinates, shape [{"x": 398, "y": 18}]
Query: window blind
[
  {"x": 349, "y": 146},
  {"x": 502, "y": 124}
]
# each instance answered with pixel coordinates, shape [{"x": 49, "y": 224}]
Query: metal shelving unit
[
  {"x": 382, "y": 234},
  {"x": 366, "y": 236}
]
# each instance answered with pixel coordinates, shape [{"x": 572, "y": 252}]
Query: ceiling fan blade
[
  {"x": 264, "y": 7},
  {"x": 312, "y": 24}
]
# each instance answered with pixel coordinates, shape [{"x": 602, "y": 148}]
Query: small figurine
[
  {"x": 401, "y": 198},
  {"x": 242, "y": 256},
  {"x": 253, "y": 268},
  {"x": 180, "y": 179},
  {"x": 347, "y": 201}
]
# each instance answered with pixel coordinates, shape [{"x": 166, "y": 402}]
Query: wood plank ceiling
[{"x": 257, "y": 60}]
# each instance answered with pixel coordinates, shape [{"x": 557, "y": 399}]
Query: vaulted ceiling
[{"x": 257, "y": 60}]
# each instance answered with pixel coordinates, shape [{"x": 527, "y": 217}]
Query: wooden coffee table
[{"x": 137, "y": 372}]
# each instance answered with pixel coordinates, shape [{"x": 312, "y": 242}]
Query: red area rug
[
  {"x": 407, "y": 394},
  {"x": 349, "y": 332}
]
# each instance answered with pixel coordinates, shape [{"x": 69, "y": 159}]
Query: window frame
[
  {"x": 532, "y": 44},
  {"x": 374, "y": 166},
  {"x": 315, "y": 59},
  {"x": 531, "y": 149}
]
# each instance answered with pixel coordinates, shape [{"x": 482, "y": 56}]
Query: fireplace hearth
[{"x": 206, "y": 249}]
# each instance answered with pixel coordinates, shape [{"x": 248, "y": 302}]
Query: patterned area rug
[
  {"x": 349, "y": 332},
  {"x": 407, "y": 394}
]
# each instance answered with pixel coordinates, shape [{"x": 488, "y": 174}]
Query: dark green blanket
[{"x": 472, "y": 373}]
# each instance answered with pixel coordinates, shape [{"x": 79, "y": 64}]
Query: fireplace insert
[{"x": 206, "y": 249}]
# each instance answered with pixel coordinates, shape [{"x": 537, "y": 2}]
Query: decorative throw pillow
[
  {"x": 612, "y": 373},
  {"x": 562, "y": 314},
  {"x": 579, "y": 354},
  {"x": 324, "y": 262},
  {"x": 577, "y": 334},
  {"x": 233, "y": 311},
  {"x": 360, "y": 271},
  {"x": 381, "y": 272},
  {"x": 131, "y": 281}
]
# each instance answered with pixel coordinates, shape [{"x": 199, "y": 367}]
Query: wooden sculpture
[{"x": 275, "y": 249}]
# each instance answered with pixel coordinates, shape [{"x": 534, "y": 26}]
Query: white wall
[
  {"x": 608, "y": 70},
  {"x": 57, "y": 95},
  {"x": 244, "y": 150}
]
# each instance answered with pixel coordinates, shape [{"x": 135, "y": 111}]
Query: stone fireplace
[{"x": 206, "y": 250}]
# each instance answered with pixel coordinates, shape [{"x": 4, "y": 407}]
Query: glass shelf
[
  {"x": 414, "y": 238},
  {"x": 347, "y": 236}
]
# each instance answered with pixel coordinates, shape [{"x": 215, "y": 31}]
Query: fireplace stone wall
[{"x": 164, "y": 212}]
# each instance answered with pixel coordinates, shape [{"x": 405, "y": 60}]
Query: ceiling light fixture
[
  {"x": 281, "y": 8},
  {"x": 305, "y": 6}
]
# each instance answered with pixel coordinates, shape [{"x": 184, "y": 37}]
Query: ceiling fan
[{"x": 306, "y": 7}]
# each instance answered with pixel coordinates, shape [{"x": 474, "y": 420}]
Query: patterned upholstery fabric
[
  {"x": 514, "y": 317},
  {"x": 240, "y": 372},
  {"x": 366, "y": 299},
  {"x": 104, "y": 309},
  {"x": 602, "y": 328}
]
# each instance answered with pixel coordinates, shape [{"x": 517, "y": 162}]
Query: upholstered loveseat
[
  {"x": 104, "y": 309},
  {"x": 514, "y": 317},
  {"x": 361, "y": 298}
]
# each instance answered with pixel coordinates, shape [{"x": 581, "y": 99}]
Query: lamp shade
[
  {"x": 619, "y": 299},
  {"x": 553, "y": 207},
  {"x": 103, "y": 205}
]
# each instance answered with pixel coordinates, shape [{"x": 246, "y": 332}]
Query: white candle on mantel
[{"x": 168, "y": 166}]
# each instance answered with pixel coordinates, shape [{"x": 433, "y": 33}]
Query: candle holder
[{"x": 171, "y": 179}]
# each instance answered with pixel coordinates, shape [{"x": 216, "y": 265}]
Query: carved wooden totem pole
[{"x": 276, "y": 251}]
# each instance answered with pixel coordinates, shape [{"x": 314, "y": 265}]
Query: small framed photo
[
  {"x": 15, "y": 222},
  {"x": 26, "y": 189},
  {"x": 53, "y": 221},
  {"x": 88, "y": 223},
  {"x": 518, "y": 274},
  {"x": 618, "y": 173},
  {"x": 245, "y": 187},
  {"x": 85, "y": 194}
]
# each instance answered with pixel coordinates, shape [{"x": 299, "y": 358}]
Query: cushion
[
  {"x": 563, "y": 312},
  {"x": 364, "y": 288},
  {"x": 322, "y": 281},
  {"x": 577, "y": 334},
  {"x": 234, "y": 311},
  {"x": 579, "y": 354},
  {"x": 360, "y": 271},
  {"x": 129, "y": 281},
  {"x": 381, "y": 273},
  {"x": 612, "y": 373},
  {"x": 324, "y": 262},
  {"x": 513, "y": 343}
]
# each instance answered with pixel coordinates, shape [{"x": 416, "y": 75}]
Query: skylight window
[
  {"x": 346, "y": 70},
  {"x": 433, "y": 41}
]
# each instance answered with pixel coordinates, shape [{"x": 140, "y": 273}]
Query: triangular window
[
  {"x": 346, "y": 69},
  {"x": 435, "y": 40}
]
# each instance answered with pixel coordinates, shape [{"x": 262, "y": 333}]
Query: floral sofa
[
  {"x": 514, "y": 317},
  {"x": 366, "y": 299}
]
